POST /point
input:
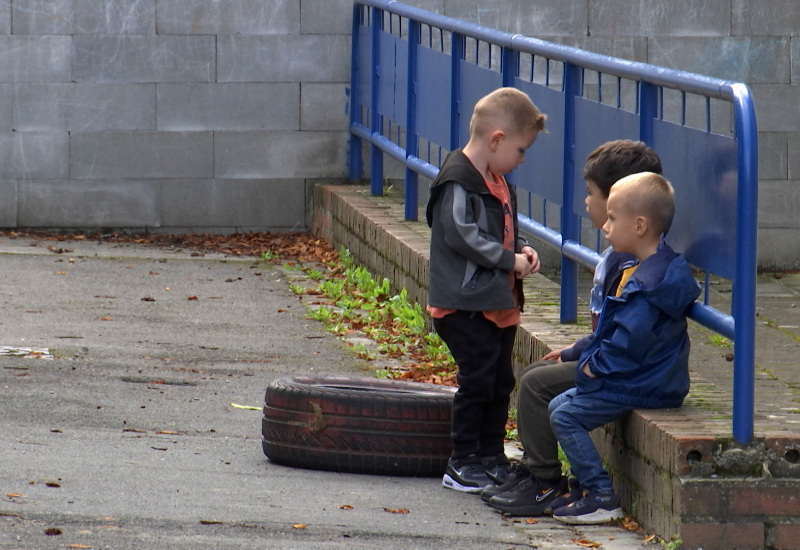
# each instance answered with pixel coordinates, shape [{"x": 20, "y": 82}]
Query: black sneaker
[
  {"x": 466, "y": 475},
  {"x": 516, "y": 475},
  {"x": 592, "y": 509},
  {"x": 498, "y": 468},
  {"x": 574, "y": 494},
  {"x": 532, "y": 497}
]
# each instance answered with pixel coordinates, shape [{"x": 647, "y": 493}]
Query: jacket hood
[{"x": 662, "y": 280}]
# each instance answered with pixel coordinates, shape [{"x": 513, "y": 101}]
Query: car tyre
[{"x": 358, "y": 425}]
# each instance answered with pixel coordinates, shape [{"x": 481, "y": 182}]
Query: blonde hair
[
  {"x": 649, "y": 195},
  {"x": 506, "y": 109}
]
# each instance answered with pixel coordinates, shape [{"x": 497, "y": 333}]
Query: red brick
[
  {"x": 782, "y": 443},
  {"x": 787, "y": 536},
  {"x": 744, "y": 535},
  {"x": 701, "y": 498},
  {"x": 684, "y": 445},
  {"x": 778, "y": 500},
  {"x": 708, "y": 536}
]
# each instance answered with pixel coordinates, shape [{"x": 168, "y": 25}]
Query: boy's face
[
  {"x": 596, "y": 204},
  {"x": 621, "y": 227},
  {"x": 508, "y": 150}
]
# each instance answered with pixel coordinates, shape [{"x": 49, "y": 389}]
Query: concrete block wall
[
  {"x": 220, "y": 115},
  {"x": 170, "y": 115}
]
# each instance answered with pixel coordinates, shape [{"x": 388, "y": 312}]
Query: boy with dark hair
[
  {"x": 536, "y": 484},
  {"x": 477, "y": 261},
  {"x": 639, "y": 354}
]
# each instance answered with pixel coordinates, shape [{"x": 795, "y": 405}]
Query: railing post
[
  {"x": 570, "y": 223},
  {"x": 744, "y": 304},
  {"x": 355, "y": 161},
  {"x": 376, "y": 155},
  {"x": 412, "y": 178}
]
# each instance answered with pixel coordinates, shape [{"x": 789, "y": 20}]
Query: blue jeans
[{"x": 573, "y": 415}]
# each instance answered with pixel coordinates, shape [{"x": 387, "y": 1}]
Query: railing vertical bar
[
  {"x": 457, "y": 51},
  {"x": 355, "y": 161},
  {"x": 648, "y": 109},
  {"x": 569, "y": 268},
  {"x": 376, "y": 156},
  {"x": 412, "y": 178}
]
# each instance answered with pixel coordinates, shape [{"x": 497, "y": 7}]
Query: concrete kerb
[{"x": 662, "y": 461}]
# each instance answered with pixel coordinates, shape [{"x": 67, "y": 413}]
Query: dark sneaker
[
  {"x": 466, "y": 475},
  {"x": 592, "y": 509},
  {"x": 516, "y": 475},
  {"x": 574, "y": 494},
  {"x": 497, "y": 468},
  {"x": 532, "y": 497}
]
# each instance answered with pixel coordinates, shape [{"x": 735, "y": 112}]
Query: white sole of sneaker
[
  {"x": 451, "y": 483},
  {"x": 595, "y": 518}
]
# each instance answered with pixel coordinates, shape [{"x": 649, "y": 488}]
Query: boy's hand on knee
[{"x": 552, "y": 355}]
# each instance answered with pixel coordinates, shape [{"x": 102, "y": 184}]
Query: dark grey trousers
[{"x": 539, "y": 383}]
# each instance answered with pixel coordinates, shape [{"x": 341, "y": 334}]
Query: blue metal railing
[{"x": 416, "y": 76}]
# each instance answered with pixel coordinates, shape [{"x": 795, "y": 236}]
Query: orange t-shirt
[{"x": 501, "y": 317}]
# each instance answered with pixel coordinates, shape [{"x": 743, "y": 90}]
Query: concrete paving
[{"x": 137, "y": 433}]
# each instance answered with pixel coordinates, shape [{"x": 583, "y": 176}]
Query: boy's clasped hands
[{"x": 526, "y": 262}]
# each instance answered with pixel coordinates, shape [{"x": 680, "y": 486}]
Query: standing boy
[
  {"x": 536, "y": 484},
  {"x": 477, "y": 261},
  {"x": 639, "y": 354}
]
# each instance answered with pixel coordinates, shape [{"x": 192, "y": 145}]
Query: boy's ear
[
  {"x": 642, "y": 225},
  {"x": 495, "y": 138}
]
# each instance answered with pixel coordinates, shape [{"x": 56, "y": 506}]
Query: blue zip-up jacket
[
  {"x": 469, "y": 267},
  {"x": 640, "y": 351},
  {"x": 607, "y": 276}
]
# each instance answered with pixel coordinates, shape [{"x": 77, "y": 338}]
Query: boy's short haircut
[
  {"x": 614, "y": 160},
  {"x": 506, "y": 109},
  {"x": 651, "y": 196}
]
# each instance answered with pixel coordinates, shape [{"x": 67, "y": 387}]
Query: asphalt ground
[{"x": 137, "y": 423}]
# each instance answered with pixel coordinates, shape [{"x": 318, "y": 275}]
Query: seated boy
[
  {"x": 536, "y": 485},
  {"x": 639, "y": 354}
]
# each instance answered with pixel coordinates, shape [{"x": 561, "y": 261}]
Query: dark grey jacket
[{"x": 469, "y": 268}]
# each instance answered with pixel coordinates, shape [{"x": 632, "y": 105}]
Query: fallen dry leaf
[
  {"x": 397, "y": 510},
  {"x": 586, "y": 543},
  {"x": 649, "y": 538},
  {"x": 531, "y": 521},
  {"x": 52, "y": 531},
  {"x": 345, "y": 507},
  {"x": 79, "y": 546},
  {"x": 300, "y": 525},
  {"x": 13, "y": 495},
  {"x": 629, "y": 524}
]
